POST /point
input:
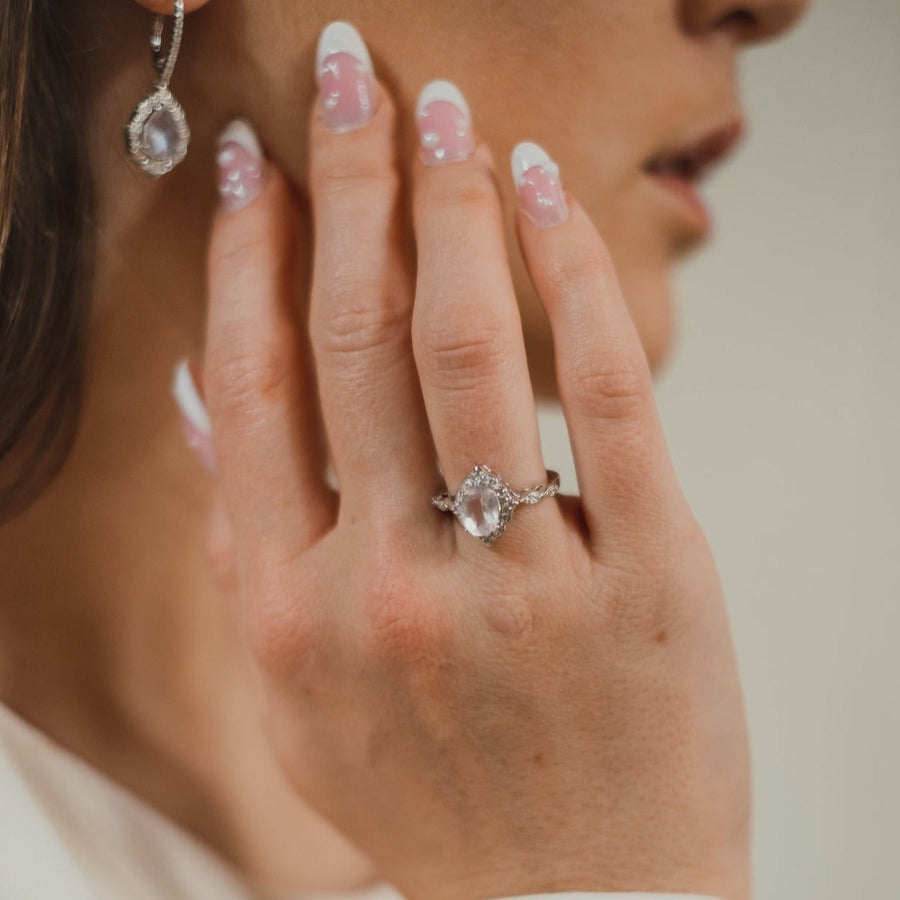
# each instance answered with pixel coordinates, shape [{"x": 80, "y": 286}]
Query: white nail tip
[
  {"x": 342, "y": 37},
  {"x": 442, "y": 90},
  {"x": 526, "y": 155},
  {"x": 188, "y": 398},
  {"x": 241, "y": 132}
]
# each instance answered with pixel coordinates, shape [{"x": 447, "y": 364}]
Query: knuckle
[
  {"x": 461, "y": 355},
  {"x": 255, "y": 241},
  {"x": 243, "y": 251},
  {"x": 472, "y": 196},
  {"x": 242, "y": 370},
  {"x": 469, "y": 186},
  {"x": 511, "y": 614},
  {"x": 280, "y": 625},
  {"x": 400, "y": 627},
  {"x": 475, "y": 197},
  {"x": 359, "y": 314},
  {"x": 402, "y": 632},
  {"x": 576, "y": 275},
  {"x": 615, "y": 386},
  {"x": 356, "y": 189}
]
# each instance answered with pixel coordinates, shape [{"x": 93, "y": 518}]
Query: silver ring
[{"x": 484, "y": 503}]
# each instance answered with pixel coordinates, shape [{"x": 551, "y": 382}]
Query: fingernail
[
  {"x": 241, "y": 166},
  {"x": 536, "y": 177},
  {"x": 194, "y": 417},
  {"x": 445, "y": 124},
  {"x": 345, "y": 77}
]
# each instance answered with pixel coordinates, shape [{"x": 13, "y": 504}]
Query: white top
[{"x": 68, "y": 831}]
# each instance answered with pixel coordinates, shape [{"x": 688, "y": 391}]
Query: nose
[{"x": 747, "y": 23}]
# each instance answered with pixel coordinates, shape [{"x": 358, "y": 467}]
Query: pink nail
[
  {"x": 537, "y": 180},
  {"x": 346, "y": 78},
  {"x": 194, "y": 417},
  {"x": 241, "y": 166},
  {"x": 445, "y": 124}
]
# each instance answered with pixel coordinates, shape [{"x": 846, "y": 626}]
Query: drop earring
[{"x": 157, "y": 134}]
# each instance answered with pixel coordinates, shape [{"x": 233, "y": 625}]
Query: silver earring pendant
[{"x": 157, "y": 134}]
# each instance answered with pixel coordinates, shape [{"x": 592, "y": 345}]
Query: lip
[{"x": 678, "y": 169}]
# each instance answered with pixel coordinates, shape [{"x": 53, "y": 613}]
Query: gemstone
[
  {"x": 478, "y": 508},
  {"x": 157, "y": 134},
  {"x": 161, "y": 137}
]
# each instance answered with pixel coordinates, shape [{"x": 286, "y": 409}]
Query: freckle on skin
[
  {"x": 539, "y": 758},
  {"x": 661, "y": 637}
]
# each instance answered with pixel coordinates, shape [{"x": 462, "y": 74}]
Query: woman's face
[{"x": 633, "y": 98}]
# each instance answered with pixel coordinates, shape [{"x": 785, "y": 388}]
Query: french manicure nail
[
  {"x": 536, "y": 177},
  {"x": 241, "y": 166},
  {"x": 194, "y": 417},
  {"x": 345, "y": 77},
  {"x": 445, "y": 124}
]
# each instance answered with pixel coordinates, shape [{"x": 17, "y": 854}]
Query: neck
[
  {"x": 114, "y": 638},
  {"x": 104, "y": 565}
]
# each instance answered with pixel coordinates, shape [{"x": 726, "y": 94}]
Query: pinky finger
[{"x": 602, "y": 374}]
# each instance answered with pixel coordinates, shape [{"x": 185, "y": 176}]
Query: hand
[{"x": 559, "y": 711}]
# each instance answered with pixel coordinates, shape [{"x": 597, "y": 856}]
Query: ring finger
[{"x": 467, "y": 334}]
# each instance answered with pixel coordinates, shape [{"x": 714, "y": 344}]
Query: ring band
[{"x": 484, "y": 503}]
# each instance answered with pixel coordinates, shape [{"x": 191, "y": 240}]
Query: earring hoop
[{"x": 157, "y": 134}]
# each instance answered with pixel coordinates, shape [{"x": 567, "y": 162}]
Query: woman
[{"x": 557, "y": 711}]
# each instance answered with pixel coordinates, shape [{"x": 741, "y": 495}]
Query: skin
[{"x": 125, "y": 650}]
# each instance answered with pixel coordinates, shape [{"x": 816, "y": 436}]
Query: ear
[{"x": 167, "y": 7}]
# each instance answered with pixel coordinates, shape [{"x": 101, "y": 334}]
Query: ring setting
[{"x": 484, "y": 502}]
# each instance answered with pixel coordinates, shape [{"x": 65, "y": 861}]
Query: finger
[
  {"x": 603, "y": 378},
  {"x": 256, "y": 381},
  {"x": 221, "y": 551},
  {"x": 362, "y": 288},
  {"x": 195, "y": 424},
  {"x": 467, "y": 334}
]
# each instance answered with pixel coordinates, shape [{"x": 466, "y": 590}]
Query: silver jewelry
[
  {"x": 157, "y": 134},
  {"x": 484, "y": 503}
]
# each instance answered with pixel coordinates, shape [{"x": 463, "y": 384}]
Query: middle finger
[{"x": 362, "y": 289}]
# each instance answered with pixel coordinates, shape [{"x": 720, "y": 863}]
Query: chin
[
  {"x": 652, "y": 305},
  {"x": 659, "y": 335}
]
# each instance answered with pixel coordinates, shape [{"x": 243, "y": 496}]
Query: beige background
[{"x": 781, "y": 407}]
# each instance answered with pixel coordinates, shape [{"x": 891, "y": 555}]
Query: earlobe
[{"x": 166, "y": 7}]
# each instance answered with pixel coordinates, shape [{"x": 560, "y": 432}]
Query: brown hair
[{"x": 44, "y": 230}]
